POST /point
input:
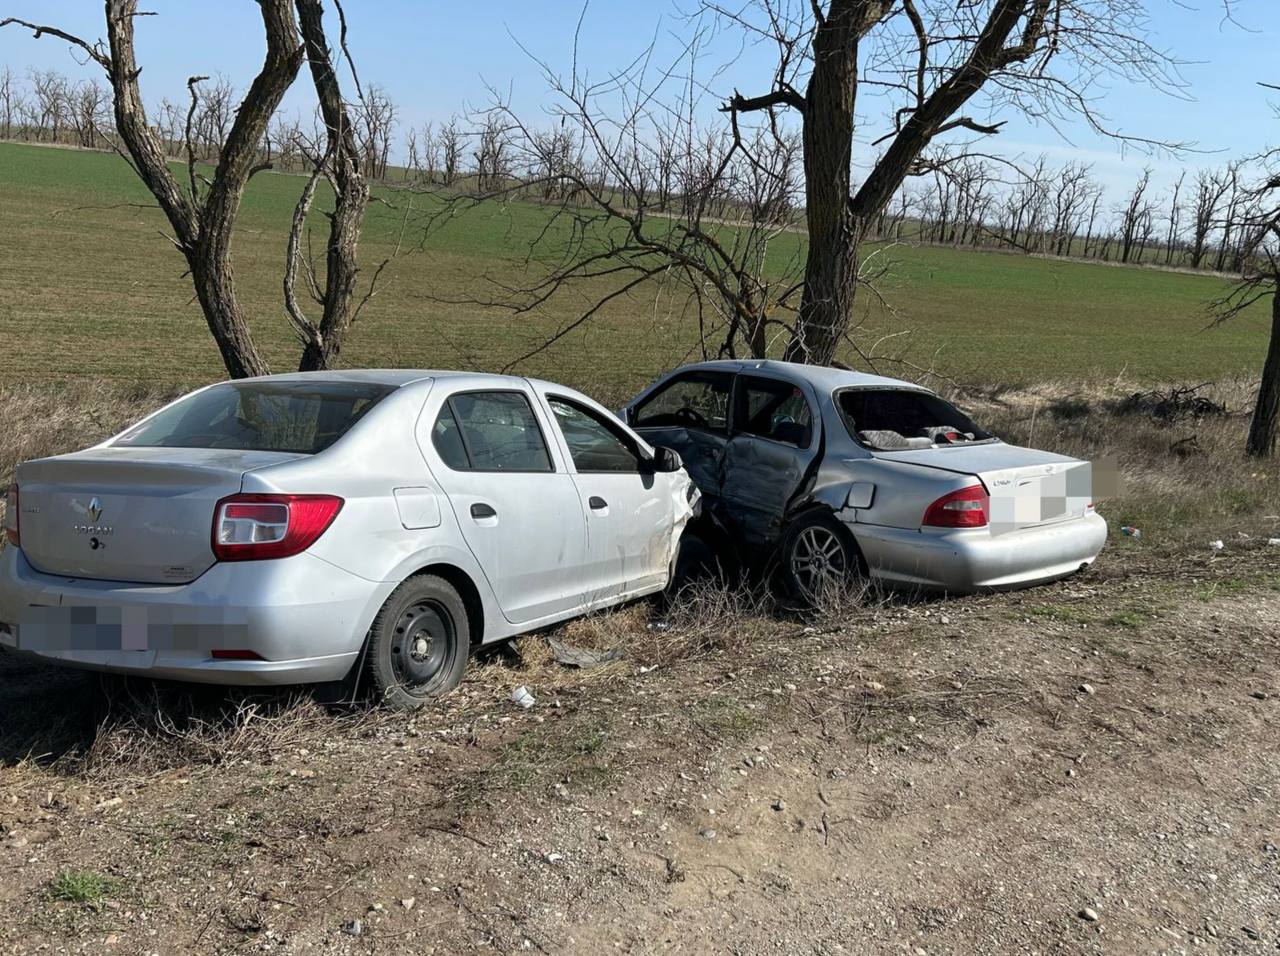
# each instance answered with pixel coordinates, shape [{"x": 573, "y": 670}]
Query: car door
[
  {"x": 515, "y": 503},
  {"x": 629, "y": 508},
  {"x": 690, "y": 414},
  {"x": 774, "y": 442}
]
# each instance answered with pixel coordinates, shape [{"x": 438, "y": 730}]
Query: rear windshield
[
  {"x": 892, "y": 419},
  {"x": 300, "y": 417}
]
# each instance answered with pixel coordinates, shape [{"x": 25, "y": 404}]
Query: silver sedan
[
  {"x": 295, "y": 527},
  {"x": 831, "y": 473}
]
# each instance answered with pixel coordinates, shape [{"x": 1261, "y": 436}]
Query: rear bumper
[
  {"x": 304, "y": 617},
  {"x": 965, "y": 560}
]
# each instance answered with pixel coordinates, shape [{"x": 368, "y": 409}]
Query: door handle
[
  {"x": 597, "y": 503},
  {"x": 482, "y": 510}
]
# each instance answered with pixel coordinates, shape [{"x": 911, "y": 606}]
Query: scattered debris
[
  {"x": 1086, "y": 689},
  {"x": 353, "y": 928},
  {"x": 1129, "y": 531},
  {"x": 582, "y": 657},
  {"x": 409, "y": 902},
  {"x": 1217, "y": 545},
  {"x": 522, "y": 697},
  {"x": 1176, "y": 404},
  {"x": 1273, "y": 542},
  {"x": 109, "y": 804},
  {"x": 1090, "y": 914}
]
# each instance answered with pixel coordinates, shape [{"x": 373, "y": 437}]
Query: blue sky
[{"x": 436, "y": 57}]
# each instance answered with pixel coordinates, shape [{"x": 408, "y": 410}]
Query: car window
[
  {"x": 447, "y": 438},
  {"x": 594, "y": 444},
  {"x": 773, "y": 409},
  {"x": 695, "y": 400},
  {"x": 301, "y": 417},
  {"x": 897, "y": 418},
  {"x": 497, "y": 431}
]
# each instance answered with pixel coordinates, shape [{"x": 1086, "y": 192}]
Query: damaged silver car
[{"x": 831, "y": 474}]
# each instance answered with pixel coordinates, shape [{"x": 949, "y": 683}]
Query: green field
[{"x": 88, "y": 286}]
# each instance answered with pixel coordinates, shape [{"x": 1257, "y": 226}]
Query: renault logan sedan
[
  {"x": 285, "y": 529},
  {"x": 833, "y": 473}
]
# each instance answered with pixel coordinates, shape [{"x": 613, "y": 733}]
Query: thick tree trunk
[
  {"x": 1266, "y": 414},
  {"x": 215, "y": 289},
  {"x": 831, "y": 270},
  {"x": 324, "y": 342},
  {"x": 837, "y": 221}
]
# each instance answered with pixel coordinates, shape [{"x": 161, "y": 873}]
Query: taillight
[
  {"x": 967, "y": 508},
  {"x": 256, "y": 527},
  {"x": 11, "y": 515}
]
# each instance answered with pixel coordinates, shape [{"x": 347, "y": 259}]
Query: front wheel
[
  {"x": 419, "y": 643},
  {"x": 819, "y": 558}
]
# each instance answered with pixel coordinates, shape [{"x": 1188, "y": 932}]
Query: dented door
[{"x": 772, "y": 448}]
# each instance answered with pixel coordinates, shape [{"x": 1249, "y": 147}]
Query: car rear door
[
  {"x": 515, "y": 502},
  {"x": 774, "y": 442},
  {"x": 629, "y": 509}
]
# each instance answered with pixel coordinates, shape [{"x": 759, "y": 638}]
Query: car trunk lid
[
  {"x": 1027, "y": 487},
  {"x": 129, "y": 514}
]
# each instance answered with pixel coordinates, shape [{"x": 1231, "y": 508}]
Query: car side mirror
[
  {"x": 666, "y": 460},
  {"x": 625, "y": 415}
]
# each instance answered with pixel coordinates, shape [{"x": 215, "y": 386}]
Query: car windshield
[
  {"x": 895, "y": 419},
  {"x": 299, "y": 417}
]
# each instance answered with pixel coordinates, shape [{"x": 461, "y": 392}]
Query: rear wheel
[
  {"x": 419, "y": 643},
  {"x": 819, "y": 558}
]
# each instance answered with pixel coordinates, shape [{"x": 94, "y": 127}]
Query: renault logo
[{"x": 95, "y": 509}]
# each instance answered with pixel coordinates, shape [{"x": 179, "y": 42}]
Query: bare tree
[
  {"x": 202, "y": 211},
  {"x": 90, "y": 106},
  {"x": 1072, "y": 195},
  {"x": 1232, "y": 219},
  {"x": 931, "y": 57},
  {"x": 1175, "y": 213},
  {"x": 1135, "y": 218},
  {"x": 491, "y": 154},
  {"x": 11, "y": 101},
  {"x": 49, "y": 93},
  {"x": 648, "y": 199},
  {"x": 342, "y": 164},
  {"x": 1210, "y": 188},
  {"x": 375, "y": 123},
  {"x": 1260, "y": 282},
  {"x": 450, "y": 151}
]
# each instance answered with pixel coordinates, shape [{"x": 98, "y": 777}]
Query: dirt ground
[{"x": 1088, "y": 767}]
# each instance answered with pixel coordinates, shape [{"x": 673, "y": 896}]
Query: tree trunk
[
  {"x": 351, "y": 197},
  {"x": 1266, "y": 414},
  {"x": 831, "y": 269}
]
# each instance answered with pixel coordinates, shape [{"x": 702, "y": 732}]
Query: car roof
[
  {"x": 821, "y": 377},
  {"x": 395, "y": 377}
]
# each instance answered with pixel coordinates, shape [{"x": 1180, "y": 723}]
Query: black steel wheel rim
[{"x": 422, "y": 644}]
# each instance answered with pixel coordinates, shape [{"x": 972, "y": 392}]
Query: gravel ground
[{"x": 1088, "y": 767}]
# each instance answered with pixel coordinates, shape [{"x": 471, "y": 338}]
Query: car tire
[
  {"x": 419, "y": 643},
  {"x": 818, "y": 558}
]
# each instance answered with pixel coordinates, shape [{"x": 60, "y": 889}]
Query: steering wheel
[{"x": 687, "y": 415}]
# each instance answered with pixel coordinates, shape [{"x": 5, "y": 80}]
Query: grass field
[{"x": 88, "y": 287}]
